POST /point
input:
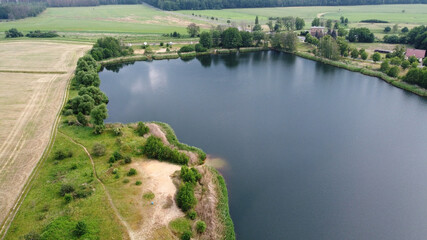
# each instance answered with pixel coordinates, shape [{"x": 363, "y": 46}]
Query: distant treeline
[
  {"x": 21, "y": 10},
  {"x": 68, "y": 3},
  {"x": 219, "y": 4}
]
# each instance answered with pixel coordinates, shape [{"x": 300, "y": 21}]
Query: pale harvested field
[{"x": 29, "y": 104}]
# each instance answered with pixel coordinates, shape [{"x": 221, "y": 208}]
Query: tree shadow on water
[{"x": 205, "y": 60}]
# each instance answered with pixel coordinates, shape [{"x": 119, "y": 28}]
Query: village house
[
  {"x": 317, "y": 32},
  {"x": 418, "y": 53}
]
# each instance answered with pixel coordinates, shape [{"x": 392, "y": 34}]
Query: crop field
[
  {"x": 33, "y": 76},
  {"x": 131, "y": 19},
  {"x": 403, "y": 14}
]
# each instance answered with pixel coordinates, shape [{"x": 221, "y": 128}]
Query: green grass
[
  {"x": 416, "y": 14},
  {"x": 102, "y": 19},
  {"x": 180, "y": 225},
  {"x": 43, "y": 204}
]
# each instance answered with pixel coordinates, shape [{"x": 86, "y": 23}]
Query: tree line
[
  {"x": 220, "y": 4},
  {"x": 21, "y": 10}
]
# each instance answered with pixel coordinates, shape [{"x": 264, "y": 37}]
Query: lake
[{"x": 312, "y": 151}]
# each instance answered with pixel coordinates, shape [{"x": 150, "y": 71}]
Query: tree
[
  {"x": 82, "y": 119},
  {"x": 315, "y": 22},
  {"x": 343, "y": 46},
  {"x": 342, "y": 19},
  {"x": 405, "y": 30},
  {"x": 193, "y": 29},
  {"x": 247, "y": 39},
  {"x": 393, "y": 71},
  {"x": 206, "y": 40},
  {"x": 81, "y": 104},
  {"x": 425, "y": 62},
  {"x": 328, "y": 48},
  {"x": 346, "y": 21},
  {"x": 258, "y": 36},
  {"x": 361, "y": 35},
  {"x": 98, "y": 114},
  {"x": 405, "y": 64},
  {"x": 286, "y": 41},
  {"x": 13, "y": 33},
  {"x": 256, "y": 20},
  {"x": 270, "y": 26},
  {"x": 299, "y": 23},
  {"x": 376, "y": 57},
  {"x": 354, "y": 53},
  {"x": 200, "y": 226},
  {"x": 142, "y": 129},
  {"x": 329, "y": 23},
  {"x": 412, "y": 59},
  {"x": 395, "y": 28},
  {"x": 336, "y": 26},
  {"x": 257, "y": 28},
  {"x": 387, "y": 29},
  {"x": 342, "y": 32},
  {"x": 231, "y": 38},
  {"x": 364, "y": 55},
  {"x": 385, "y": 66},
  {"x": 95, "y": 93}
]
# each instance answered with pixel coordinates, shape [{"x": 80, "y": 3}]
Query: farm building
[
  {"x": 317, "y": 32},
  {"x": 418, "y": 53}
]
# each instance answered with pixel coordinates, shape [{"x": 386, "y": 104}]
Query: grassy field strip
[{"x": 110, "y": 200}]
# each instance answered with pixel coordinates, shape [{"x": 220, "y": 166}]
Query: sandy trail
[{"x": 157, "y": 179}]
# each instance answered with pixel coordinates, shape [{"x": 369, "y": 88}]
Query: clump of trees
[
  {"x": 185, "y": 197},
  {"x": 418, "y": 37},
  {"x": 109, "y": 47},
  {"x": 287, "y": 41},
  {"x": 13, "y": 33},
  {"x": 417, "y": 76},
  {"x": 21, "y": 10},
  {"x": 361, "y": 35},
  {"x": 229, "y": 38},
  {"x": 154, "y": 148},
  {"x": 328, "y": 48},
  {"x": 40, "y": 34}
]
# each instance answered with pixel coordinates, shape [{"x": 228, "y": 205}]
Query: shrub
[
  {"x": 376, "y": 57},
  {"x": 68, "y": 198},
  {"x": 142, "y": 129},
  {"x": 40, "y": 34},
  {"x": 190, "y": 175},
  {"x": 200, "y": 226},
  {"x": 117, "y": 131},
  {"x": 161, "y": 44},
  {"x": 80, "y": 229},
  {"x": 412, "y": 59},
  {"x": 98, "y": 129},
  {"x": 117, "y": 155},
  {"x": 148, "y": 196},
  {"x": 125, "y": 180},
  {"x": 364, "y": 55},
  {"x": 405, "y": 64},
  {"x": 395, "y": 61},
  {"x": 154, "y": 148},
  {"x": 414, "y": 65},
  {"x": 138, "y": 183},
  {"x": 32, "y": 236},
  {"x": 82, "y": 119},
  {"x": 128, "y": 159},
  {"x": 200, "y": 48},
  {"x": 186, "y": 235},
  {"x": 393, "y": 72},
  {"x": 66, "y": 188},
  {"x": 13, "y": 33},
  {"x": 425, "y": 62},
  {"x": 192, "y": 214},
  {"x": 111, "y": 159},
  {"x": 68, "y": 112},
  {"x": 385, "y": 66},
  {"x": 354, "y": 53},
  {"x": 185, "y": 197},
  {"x": 73, "y": 166},
  {"x": 60, "y": 154},
  {"x": 132, "y": 172},
  {"x": 387, "y": 29},
  {"x": 187, "y": 48},
  {"x": 98, "y": 149}
]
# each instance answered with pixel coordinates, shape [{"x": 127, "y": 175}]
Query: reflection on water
[{"x": 312, "y": 151}]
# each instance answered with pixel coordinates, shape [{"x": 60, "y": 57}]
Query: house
[
  {"x": 418, "y": 53},
  {"x": 317, "y": 32}
]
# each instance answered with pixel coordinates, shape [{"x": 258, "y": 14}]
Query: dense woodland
[{"x": 18, "y": 11}]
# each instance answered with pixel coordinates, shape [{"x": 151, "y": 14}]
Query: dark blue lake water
[{"x": 313, "y": 151}]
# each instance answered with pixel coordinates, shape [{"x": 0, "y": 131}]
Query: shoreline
[{"x": 365, "y": 71}]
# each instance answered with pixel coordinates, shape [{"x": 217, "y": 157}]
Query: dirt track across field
[{"x": 33, "y": 80}]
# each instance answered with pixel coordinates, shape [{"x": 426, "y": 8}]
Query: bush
[
  {"x": 109, "y": 47},
  {"x": 60, "y": 154},
  {"x": 68, "y": 198},
  {"x": 200, "y": 48},
  {"x": 118, "y": 131},
  {"x": 138, "y": 183},
  {"x": 405, "y": 64},
  {"x": 186, "y": 235},
  {"x": 425, "y": 62},
  {"x": 364, "y": 55},
  {"x": 125, "y": 180},
  {"x": 395, "y": 61},
  {"x": 190, "y": 175},
  {"x": 192, "y": 214},
  {"x": 142, "y": 129},
  {"x": 154, "y": 148},
  {"x": 13, "y": 33},
  {"x": 132, "y": 172},
  {"x": 80, "y": 229},
  {"x": 414, "y": 65},
  {"x": 128, "y": 159},
  {"x": 66, "y": 188},
  {"x": 376, "y": 57},
  {"x": 98, "y": 149},
  {"x": 39, "y": 34},
  {"x": 387, "y": 29},
  {"x": 187, "y": 48},
  {"x": 412, "y": 59},
  {"x": 117, "y": 155},
  {"x": 200, "y": 226},
  {"x": 185, "y": 197},
  {"x": 82, "y": 119},
  {"x": 393, "y": 72},
  {"x": 354, "y": 53},
  {"x": 385, "y": 66},
  {"x": 32, "y": 236}
]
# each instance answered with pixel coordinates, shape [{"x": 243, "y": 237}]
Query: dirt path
[{"x": 110, "y": 201}]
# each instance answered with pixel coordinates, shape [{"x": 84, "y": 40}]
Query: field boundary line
[
  {"x": 5, "y": 225},
  {"x": 33, "y": 72}
]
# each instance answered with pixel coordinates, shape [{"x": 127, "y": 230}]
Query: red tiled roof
[{"x": 418, "y": 53}]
